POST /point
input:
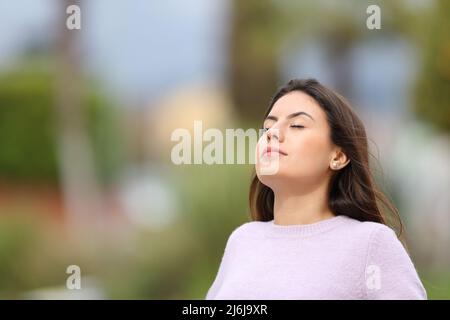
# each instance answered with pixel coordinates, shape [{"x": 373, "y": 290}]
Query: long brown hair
[{"x": 352, "y": 191}]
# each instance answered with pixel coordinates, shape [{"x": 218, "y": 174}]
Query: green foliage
[
  {"x": 16, "y": 239},
  {"x": 433, "y": 87},
  {"x": 28, "y": 135},
  {"x": 154, "y": 265},
  {"x": 437, "y": 286},
  {"x": 215, "y": 203}
]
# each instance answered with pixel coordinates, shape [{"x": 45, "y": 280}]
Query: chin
[{"x": 271, "y": 179}]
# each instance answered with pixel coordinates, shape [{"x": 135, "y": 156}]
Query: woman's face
[{"x": 298, "y": 127}]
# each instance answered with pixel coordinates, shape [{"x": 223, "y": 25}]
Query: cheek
[{"x": 310, "y": 154}]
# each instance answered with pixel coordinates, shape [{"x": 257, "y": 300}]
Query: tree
[
  {"x": 433, "y": 87},
  {"x": 78, "y": 178}
]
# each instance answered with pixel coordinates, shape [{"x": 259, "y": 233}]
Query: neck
[{"x": 301, "y": 208}]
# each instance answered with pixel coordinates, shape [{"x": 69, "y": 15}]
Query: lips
[{"x": 270, "y": 149}]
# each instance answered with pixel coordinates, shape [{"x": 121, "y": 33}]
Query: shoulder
[
  {"x": 389, "y": 264},
  {"x": 370, "y": 231},
  {"x": 371, "y": 238},
  {"x": 389, "y": 272},
  {"x": 385, "y": 250},
  {"x": 248, "y": 229},
  {"x": 242, "y": 233},
  {"x": 378, "y": 242},
  {"x": 381, "y": 235}
]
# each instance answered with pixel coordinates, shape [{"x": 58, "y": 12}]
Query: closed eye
[{"x": 292, "y": 126}]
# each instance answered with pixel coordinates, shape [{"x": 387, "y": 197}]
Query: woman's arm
[{"x": 389, "y": 271}]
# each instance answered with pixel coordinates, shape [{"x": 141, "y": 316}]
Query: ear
[{"x": 339, "y": 159}]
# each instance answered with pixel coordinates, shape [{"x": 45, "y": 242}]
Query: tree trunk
[{"x": 79, "y": 184}]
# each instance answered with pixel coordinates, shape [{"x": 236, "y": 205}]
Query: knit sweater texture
[{"x": 336, "y": 258}]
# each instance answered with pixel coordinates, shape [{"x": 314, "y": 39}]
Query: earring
[{"x": 334, "y": 165}]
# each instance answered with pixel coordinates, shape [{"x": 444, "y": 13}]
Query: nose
[{"x": 274, "y": 133}]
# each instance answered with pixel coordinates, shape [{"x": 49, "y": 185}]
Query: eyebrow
[{"x": 292, "y": 115}]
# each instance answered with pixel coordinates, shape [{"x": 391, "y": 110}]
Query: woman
[{"x": 318, "y": 231}]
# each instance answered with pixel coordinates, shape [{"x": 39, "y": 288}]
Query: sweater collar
[{"x": 305, "y": 229}]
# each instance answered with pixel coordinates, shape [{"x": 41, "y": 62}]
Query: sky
[
  {"x": 142, "y": 50},
  {"x": 139, "y": 48}
]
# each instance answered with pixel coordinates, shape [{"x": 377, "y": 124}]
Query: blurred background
[{"x": 86, "y": 116}]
